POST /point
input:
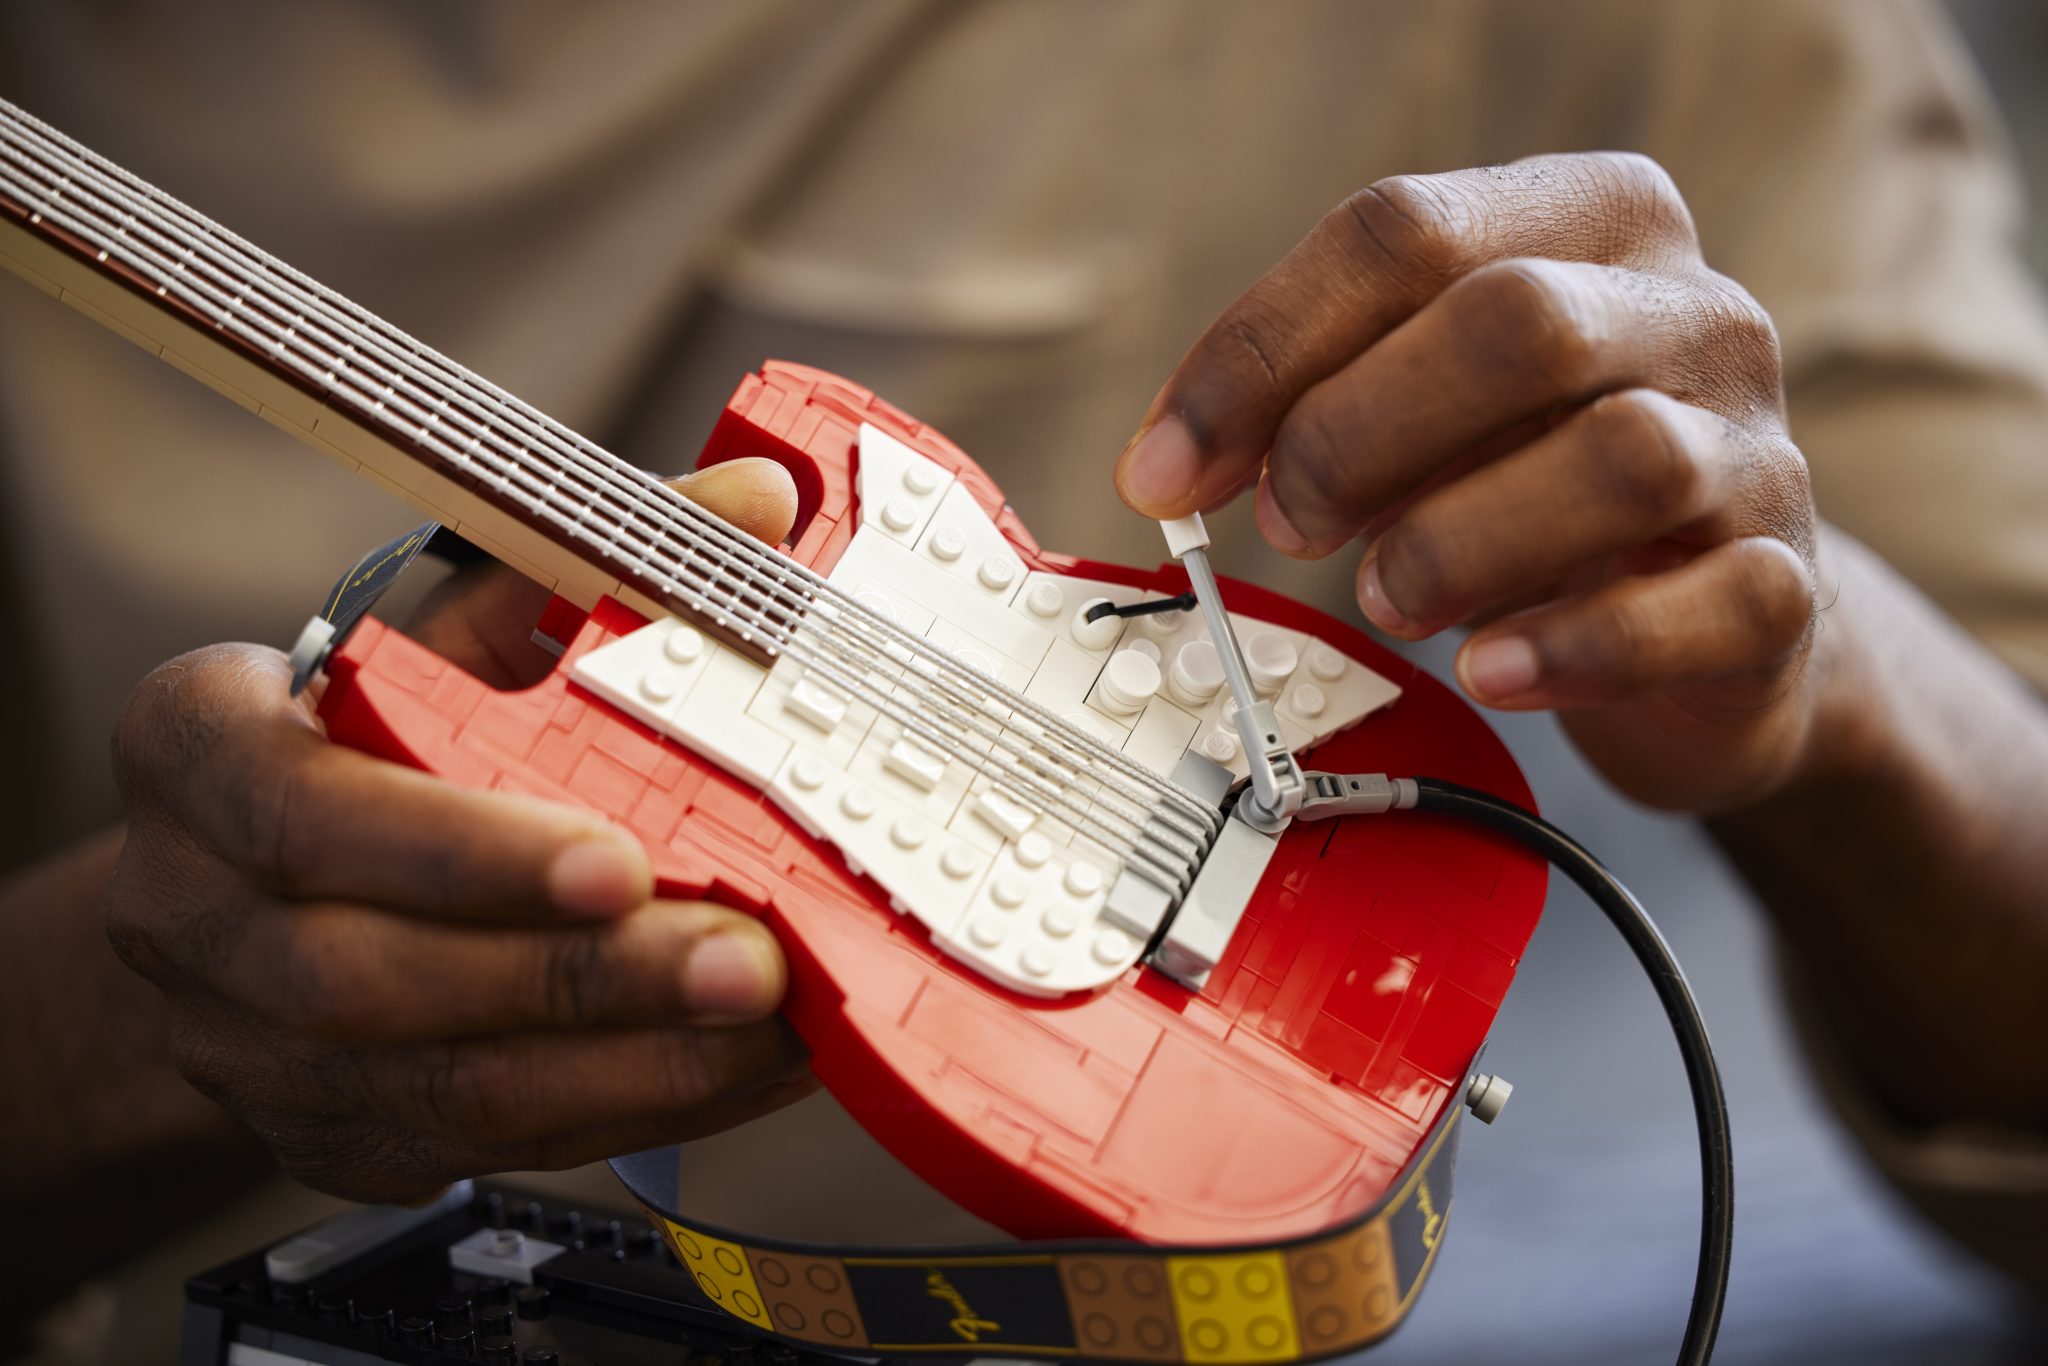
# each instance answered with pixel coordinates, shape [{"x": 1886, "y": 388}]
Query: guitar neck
[{"x": 518, "y": 484}]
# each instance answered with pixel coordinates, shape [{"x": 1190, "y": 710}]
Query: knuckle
[
  {"x": 1535, "y": 314},
  {"x": 1775, "y": 595},
  {"x": 1404, "y": 225},
  {"x": 1643, "y": 458},
  {"x": 1648, "y": 192},
  {"x": 570, "y": 969}
]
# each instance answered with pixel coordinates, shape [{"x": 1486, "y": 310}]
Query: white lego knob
[
  {"x": 1219, "y": 745},
  {"x": 877, "y": 604},
  {"x": 1147, "y": 648},
  {"x": 1129, "y": 681},
  {"x": 907, "y": 832},
  {"x": 1307, "y": 700},
  {"x": 956, "y": 862},
  {"x": 657, "y": 685},
  {"x": 1044, "y": 599},
  {"x": 1008, "y": 891},
  {"x": 996, "y": 573},
  {"x": 1487, "y": 1097},
  {"x": 1325, "y": 663},
  {"x": 948, "y": 543},
  {"x": 1197, "y": 673},
  {"x": 986, "y": 931},
  {"x": 1033, "y": 849},
  {"x": 857, "y": 803},
  {"x": 1111, "y": 945},
  {"x": 684, "y": 644},
  {"x": 1060, "y": 921},
  {"x": 1270, "y": 659},
  {"x": 1099, "y": 634},
  {"x": 899, "y": 515},
  {"x": 919, "y": 477},
  {"x": 1082, "y": 879},
  {"x": 807, "y": 773}
]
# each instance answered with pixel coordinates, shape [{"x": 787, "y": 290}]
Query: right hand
[{"x": 397, "y": 982}]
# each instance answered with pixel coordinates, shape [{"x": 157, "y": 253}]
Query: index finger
[
  {"x": 1368, "y": 265},
  {"x": 215, "y": 742}
]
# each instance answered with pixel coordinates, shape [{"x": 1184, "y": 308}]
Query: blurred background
[{"x": 2009, "y": 39}]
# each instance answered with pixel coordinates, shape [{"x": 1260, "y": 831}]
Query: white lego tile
[
  {"x": 1161, "y": 736},
  {"x": 879, "y": 562},
  {"x": 713, "y": 719},
  {"x": 897, "y": 489}
]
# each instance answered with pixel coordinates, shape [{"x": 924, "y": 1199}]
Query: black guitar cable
[{"x": 1709, "y": 1104}]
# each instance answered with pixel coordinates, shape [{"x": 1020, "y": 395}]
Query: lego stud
[
  {"x": 920, "y": 478},
  {"x": 1060, "y": 921},
  {"x": 1487, "y": 1096},
  {"x": 948, "y": 543},
  {"x": 1129, "y": 681},
  {"x": 1082, "y": 879},
  {"x": 1094, "y": 635},
  {"x": 1007, "y": 891},
  {"x": 1160, "y": 624},
  {"x": 1197, "y": 673},
  {"x": 1219, "y": 746},
  {"x": 807, "y": 773},
  {"x": 1307, "y": 700},
  {"x": 1036, "y": 961},
  {"x": 1270, "y": 658},
  {"x": 684, "y": 644},
  {"x": 899, "y": 515},
  {"x": 996, "y": 573},
  {"x": 956, "y": 862},
  {"x": 907, "y": 833},
  {"x": 657, "y": 685},
  {"x": 1111, "y": 946},
  {"x": 1044, "y": 599},
  {"x": 877, "y": 604},
  {"x": 1325, "y": 663},
  {"x": 1033, "y": 850},
  {"x": 987, "y": 931},
  {"x": 1147, "y": 648},
  {"x": 857, "y": 803}
]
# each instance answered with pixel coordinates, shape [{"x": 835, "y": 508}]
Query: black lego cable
[{"x": 1710, "y": 1106}]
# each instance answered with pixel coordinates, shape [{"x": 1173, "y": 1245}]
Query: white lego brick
[
  {"x": 502, "y": 1252},
  {"x": 714, "y": 722},
  {"x": 962, "y": 542},
  {"x": 648, "y": 673},
  {"x": 1036, "y": 924},
  {"x": 897, "y": 489},
  {"x": 929, "y": 874},
  {"x": 1161, "y": 737}
]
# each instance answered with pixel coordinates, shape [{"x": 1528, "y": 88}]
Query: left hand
[{"x": 1547, "y": 417}]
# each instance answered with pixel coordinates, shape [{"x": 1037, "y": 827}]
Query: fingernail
[
  {"x": 731, "y": 974},
  {"x": 602, "y": 876},
  {"x": 1372, "y": 599},
  {"x": 1161, "y": 467},
  {"x": 1499, "y": 668}
]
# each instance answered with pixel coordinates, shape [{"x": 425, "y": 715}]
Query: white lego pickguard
[{"x": 1008, "y": 890}]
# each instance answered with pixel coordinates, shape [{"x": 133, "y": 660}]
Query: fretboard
[{"x": 519, "y": 484}]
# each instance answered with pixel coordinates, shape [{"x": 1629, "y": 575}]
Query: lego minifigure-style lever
[{"x": 1276, "y": 778}]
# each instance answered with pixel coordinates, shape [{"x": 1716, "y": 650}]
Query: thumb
[{"x": 754, "y": 494}]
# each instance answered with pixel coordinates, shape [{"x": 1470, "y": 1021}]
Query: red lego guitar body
[{"x": 1283, "y": 1098}]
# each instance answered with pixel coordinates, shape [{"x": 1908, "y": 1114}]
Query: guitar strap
[{"x": 1295, "y": 1300}]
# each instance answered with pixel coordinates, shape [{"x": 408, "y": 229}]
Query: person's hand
[
  {"x": 396, "y": 982},
  {"x": 1544, "y": 414}
]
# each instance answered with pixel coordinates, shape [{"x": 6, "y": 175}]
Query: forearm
[
  {"x": 1907, "y": 865},
  {"x": 108, "y": 1146}
]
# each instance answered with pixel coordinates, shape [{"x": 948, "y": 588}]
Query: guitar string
[
  {"x": 1044, "y": 788},
  {"x": 431, "y": 417},
  {"x": 227, "y": 314}
]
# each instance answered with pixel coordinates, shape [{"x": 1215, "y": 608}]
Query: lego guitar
[{"x": 1032, "y": 831}]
